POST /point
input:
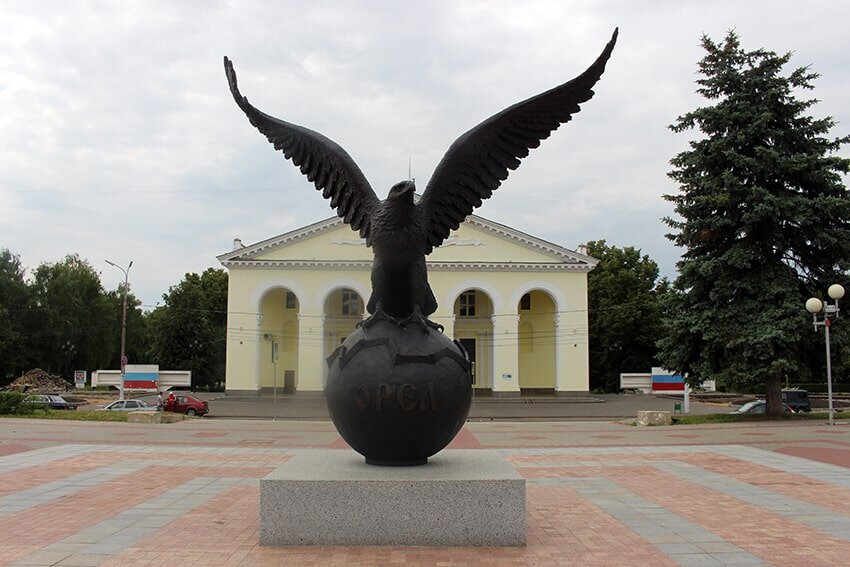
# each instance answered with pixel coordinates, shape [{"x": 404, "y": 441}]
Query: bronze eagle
[{"x": 400, "y": 231}]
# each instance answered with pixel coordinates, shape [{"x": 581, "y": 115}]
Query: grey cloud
[{"x": 117, "y": 120}]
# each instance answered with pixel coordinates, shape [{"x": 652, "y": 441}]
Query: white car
[{"x": 127, "y": 405}]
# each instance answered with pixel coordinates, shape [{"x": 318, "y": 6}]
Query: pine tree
[{"x": 764, "y": 221}]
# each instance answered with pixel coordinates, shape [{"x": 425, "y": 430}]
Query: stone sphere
[{"x": 398, "y": 395}]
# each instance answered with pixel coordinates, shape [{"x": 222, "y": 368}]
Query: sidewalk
[{"x": 599, "y": 493}]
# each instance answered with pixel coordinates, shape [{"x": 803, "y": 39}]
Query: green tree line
[{"x": 60, "y": 318}]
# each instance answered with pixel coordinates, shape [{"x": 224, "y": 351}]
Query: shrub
[{"x": 14, "y": 403}]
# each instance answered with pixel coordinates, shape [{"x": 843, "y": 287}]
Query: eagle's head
[{"x": 402, "y": 189}]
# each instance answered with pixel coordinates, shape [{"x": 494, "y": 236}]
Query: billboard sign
[
  {"x": 665, "y": 381},
  {"x": 141, "y": 376},
  {"x": 80, "y": 378}
]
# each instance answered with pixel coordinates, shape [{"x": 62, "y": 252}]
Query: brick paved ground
[{"x": 598, "y": 494}]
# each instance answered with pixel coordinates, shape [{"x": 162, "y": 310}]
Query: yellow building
[{"x": 517, "y": 303}]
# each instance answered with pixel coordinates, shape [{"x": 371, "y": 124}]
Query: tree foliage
[
  {"x": 189, "y": 331},
  {"x": 764, "y": 221},
  {"x": 136, "y": 341},
  {"x": 71, "y": 320},
  {"x": 14, "y": 296},
  {"x": 624, "y": 317},
  {"x": 61, "y": 319}
]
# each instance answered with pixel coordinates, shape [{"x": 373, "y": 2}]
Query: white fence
[{"x": 167, "y": 378}]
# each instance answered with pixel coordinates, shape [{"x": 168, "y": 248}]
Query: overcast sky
[{"x": 119, "y": 139}]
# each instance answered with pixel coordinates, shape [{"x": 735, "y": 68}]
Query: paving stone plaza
[{"x": 598, "y": 493}]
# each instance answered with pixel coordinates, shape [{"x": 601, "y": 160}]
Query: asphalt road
[{"x": 604, "y": 406}]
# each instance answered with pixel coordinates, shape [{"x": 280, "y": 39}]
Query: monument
[{"x": 399, "y": 390}]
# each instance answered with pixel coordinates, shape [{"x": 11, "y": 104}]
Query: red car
[{"x": 190, "y": 405}]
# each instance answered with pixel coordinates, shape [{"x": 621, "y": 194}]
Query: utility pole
[{"x": 123, "y": 362}]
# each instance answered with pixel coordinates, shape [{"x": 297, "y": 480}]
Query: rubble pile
[{"x": 37, "y": 380}]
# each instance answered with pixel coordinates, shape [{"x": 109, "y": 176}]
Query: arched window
[
  {"x": 466, "y": 307},
  {"x": 350, "y": 302},
  {"x": 291, "y": 300}
]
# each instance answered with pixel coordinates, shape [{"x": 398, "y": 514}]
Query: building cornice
[
  {"x": 285, "y": 239},
  {"x": 527, "y": 241},
  {"x": 436, "y": 266},
  {"x": 564, "y": 259}
]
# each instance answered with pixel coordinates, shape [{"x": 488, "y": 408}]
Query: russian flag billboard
[
  {"x": 141, "y": 376},
  {"x": 664, "y": 381}
]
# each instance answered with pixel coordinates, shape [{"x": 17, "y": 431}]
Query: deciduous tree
[
  {"x": 69, "y": 318},
  {"x": 188, "y": 332},
  {"x": 14, "y": 296},
  {"x": 624, "y": 316}
]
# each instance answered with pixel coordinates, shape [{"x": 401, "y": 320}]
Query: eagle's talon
[
  {"x": 417, "y": 318},
  {"x": 378, "y": 315}
]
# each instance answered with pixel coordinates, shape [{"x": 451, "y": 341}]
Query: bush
[{"x": 14, "y": 403}]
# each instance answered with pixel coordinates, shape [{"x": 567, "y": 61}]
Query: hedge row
[{"x": 821, "y": 388}]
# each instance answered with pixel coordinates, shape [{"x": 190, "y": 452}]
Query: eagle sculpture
[{"x": 401, "y": 231}]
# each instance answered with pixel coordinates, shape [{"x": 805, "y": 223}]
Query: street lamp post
[
  {"x": 123, "y": 362},
  {"x": 830, "y": 312}
]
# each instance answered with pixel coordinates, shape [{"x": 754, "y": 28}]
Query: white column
[
  {"x": 242, "y": 373},
  {"x": 505, "y": 353},
  {"x": 559, "y": 371},
  {"x": 310, "y": 351},
  {"x": 449, "y": 323}
]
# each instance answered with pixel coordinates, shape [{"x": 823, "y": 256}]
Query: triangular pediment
[{"x": 478, "y": 241}]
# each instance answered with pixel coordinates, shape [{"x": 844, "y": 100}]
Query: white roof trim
[
  {"x": 251, "y": 251},
  {"x": 245, "y": 257},
  {"x": 434, "y": 266}
]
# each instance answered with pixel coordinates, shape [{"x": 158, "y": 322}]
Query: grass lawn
[
  {"x": 736, "y": 418},
  {"x": 75, "y": 415}
]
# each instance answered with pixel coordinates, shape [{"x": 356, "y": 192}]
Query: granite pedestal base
[{"x": 332, "y": 497}]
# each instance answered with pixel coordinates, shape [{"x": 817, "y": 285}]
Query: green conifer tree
[{"x": 764, "y": 223}]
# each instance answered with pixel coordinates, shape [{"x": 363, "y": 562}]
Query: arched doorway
[
  {"x": 537, "y": 342},
  {"x": 278, "y": 341},
  {"x": 473, "y": 328},
  {"x": 343, "y": 309}
]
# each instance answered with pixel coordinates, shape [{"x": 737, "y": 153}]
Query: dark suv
[{"x": 797, "y": 399}]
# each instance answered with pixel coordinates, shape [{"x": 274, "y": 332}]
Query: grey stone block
[
  {"x": 154, "y": 417},
  {"x": 654, "y": 418},
  {"x": 332, "y": 497}
]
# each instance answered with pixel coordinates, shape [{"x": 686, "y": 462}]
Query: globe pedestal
[
  {"x": 398, "y": 395},
  {"x": 470, "y": 497}
]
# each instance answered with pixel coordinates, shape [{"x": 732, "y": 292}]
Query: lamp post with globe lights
[{"x": 829, "y": 312}]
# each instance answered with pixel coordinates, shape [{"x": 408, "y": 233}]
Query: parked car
[
  {"x": 50, "y": 401},
  {"x": 127, "y": 405},
  {"x": 759, "y": 407},
  {"x": 190, "y": 405},
  {"x": 797, "y": 399}
]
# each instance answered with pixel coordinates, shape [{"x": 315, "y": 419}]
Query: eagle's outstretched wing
[
  {"x": 477, "y": 162},
  {"x": 323, "y": 161}
]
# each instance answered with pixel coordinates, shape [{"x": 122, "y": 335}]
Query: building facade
[{"x": 517, "y": 303}]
